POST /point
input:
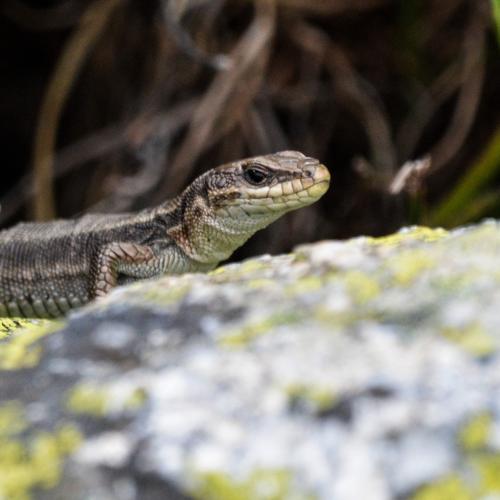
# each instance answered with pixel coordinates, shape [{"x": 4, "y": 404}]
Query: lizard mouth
[
  {"x": 321, "y": 182},
  {"x": 307, "y": 190}
]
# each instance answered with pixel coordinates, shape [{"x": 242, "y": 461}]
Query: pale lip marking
[{"x": 321, "y": 181}]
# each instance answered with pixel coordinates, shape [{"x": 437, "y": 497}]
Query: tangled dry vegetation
[{"x": 140, "y": 97}]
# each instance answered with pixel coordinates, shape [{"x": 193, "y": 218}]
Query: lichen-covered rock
[{"x": 364, "y": 369}]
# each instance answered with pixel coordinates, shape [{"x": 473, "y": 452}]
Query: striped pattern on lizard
[{"x": 48, "y": 268}]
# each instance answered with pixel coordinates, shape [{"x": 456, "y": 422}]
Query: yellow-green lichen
[
  {"x": 248, "y": 270},
  {"x": 22, "y": 348},
  {"x": 262, "y": 484},
  {"x": 476, "y": 432},
  {"x": 248, "y": 332},
  {"x": 98, "y": 401},
  {"x": 338, "y": 320},
  {"x": 476, "y": 237},
  {"x": 473, "y": 339},
  {"x": 304, "y": 286},
  {"x": 317, "y": 397},
  {"x": 480, "y": 478},
  {"x": 9, "y": 325},
  {"x": 451, "y": 487},
  {"x": 136, "y": 400},
  {"x": 219, "y": 270},
  {"x": 48, "y": 449},
  {"x": 32, "y": 462},
  {"x": 451, "y": 283},
  {"x": 11, "y": 419},
  {"x": 165, "y": 295},
  {"x": 260, "y": 283},
  {"x": 88, "y": 399},
  {"x": 417, "y": 233},
  {"x": 487, "y": 466},
  {"x": 253, "y": 265},
  {"x": 36, "y": 464},
  {"x": 409, "y": 265},
  {"x": 361, "y": 287}
]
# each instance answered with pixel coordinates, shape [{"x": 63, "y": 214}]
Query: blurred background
[{"x": 114, "y": 105}]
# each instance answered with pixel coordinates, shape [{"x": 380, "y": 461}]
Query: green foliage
[
  {"x": 496, "y": 16},
  {"x": 467, "y": 201},
  {"x": 470, "y": 200}
]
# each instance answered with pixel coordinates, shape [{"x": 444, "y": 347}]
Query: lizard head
[
  {"x": 228, "y": 204},
  {"x": 266, "y": 186}
]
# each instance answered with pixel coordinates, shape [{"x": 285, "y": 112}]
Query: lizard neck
[
  {"x": 218, "y": 235},
  {"x": 206, "y": 235}
]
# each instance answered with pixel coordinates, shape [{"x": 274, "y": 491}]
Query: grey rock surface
[{"x": 362, "y": 369}]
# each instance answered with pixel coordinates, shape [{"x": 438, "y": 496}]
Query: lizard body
[{"x": 48, "y": 268}]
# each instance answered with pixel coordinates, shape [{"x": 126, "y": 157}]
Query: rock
[{"x": 362, "y": 369}]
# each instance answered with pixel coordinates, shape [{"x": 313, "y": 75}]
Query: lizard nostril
[{"x": 308, "y": 167}]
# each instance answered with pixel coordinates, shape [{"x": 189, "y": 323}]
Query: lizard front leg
[{"x": 109, "y": 260}]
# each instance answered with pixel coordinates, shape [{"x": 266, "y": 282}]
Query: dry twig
[{"x": 70, "y": 63}]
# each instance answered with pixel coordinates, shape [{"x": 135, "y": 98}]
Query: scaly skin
[{"x": 48, "y": 268}]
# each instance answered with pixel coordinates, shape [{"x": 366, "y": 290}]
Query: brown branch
[
  {"x": 331, "y": 6},
  {"x": 413, "y": 126},
  {"x": 172, "y": 13},
  {"x": 229, "y": 95},
  {"x": 349, "y": 84},
  {"x": 98, "y": 144},
  {"x": 67, "y": 69},
  {"x": 410, "y": 177},
  {"x": 472, "y": 77},
  {"x": 47, "y": 18}
]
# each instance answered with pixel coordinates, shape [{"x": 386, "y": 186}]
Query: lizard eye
[{"x": 256, "y": 175}]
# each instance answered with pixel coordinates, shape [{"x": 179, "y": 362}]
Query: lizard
[{"x": 48, "y": 268}]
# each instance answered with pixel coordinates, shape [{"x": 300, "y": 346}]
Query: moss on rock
[
  {"x": 32, "y": 461},
  {"x": 23, "y": 348},
  {"x": 261, "y": 484}
]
